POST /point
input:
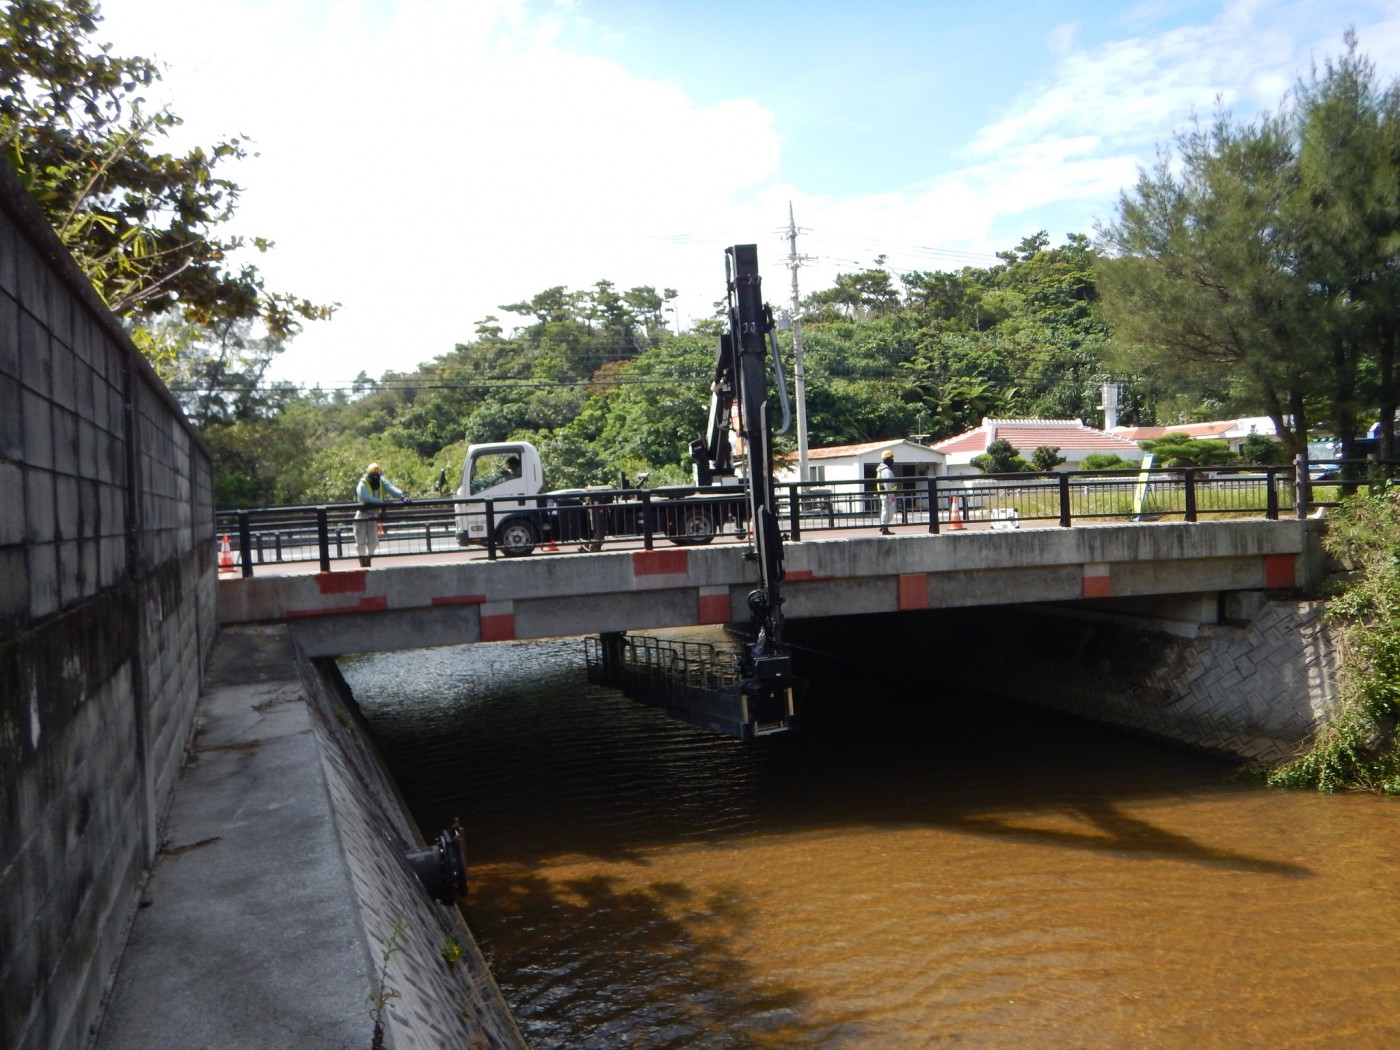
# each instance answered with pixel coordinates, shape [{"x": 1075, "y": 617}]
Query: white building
[{"x": 858, "y": 462}]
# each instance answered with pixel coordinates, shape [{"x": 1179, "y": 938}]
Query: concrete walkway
[{"x": 247, "y": 935}]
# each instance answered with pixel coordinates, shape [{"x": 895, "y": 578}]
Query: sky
[{"x": 422, "y": 162}]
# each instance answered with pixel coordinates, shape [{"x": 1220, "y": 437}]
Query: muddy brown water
[{"x": 909, "y": 870}]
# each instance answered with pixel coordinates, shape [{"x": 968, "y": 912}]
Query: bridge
[{"x": 1173, "y": 570}]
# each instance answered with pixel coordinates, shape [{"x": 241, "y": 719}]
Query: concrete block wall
[
  {"x": 107, "y": 611},
  {"x": 1253, "y": 687}
]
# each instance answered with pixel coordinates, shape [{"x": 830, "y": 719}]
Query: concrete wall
[
  {"x": 107, "y": 610},
  {"x": 1246, "y": 675}
]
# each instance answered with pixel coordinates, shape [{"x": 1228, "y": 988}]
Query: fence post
[
  {"x": 1189, "y": 479},
  {"x": 245, "y": 543},
  {"x": 647, "y": 539},
  {"x": 490, "y": 512},
  {"x": 1271, "y": 497},
  {"x": 932, "y": 505},
  {"x": 794, "y": 511},
  {"x": 1302, "y": 486},
  {"x": 323, "y": 538},
  {"x": 1065, "y": 521}
]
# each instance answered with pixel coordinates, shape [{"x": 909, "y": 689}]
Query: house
[
  {"x": 1070, "y": 436},
  {"x": 1231, "y": 431},
  {"x": 857, "y": 462}
]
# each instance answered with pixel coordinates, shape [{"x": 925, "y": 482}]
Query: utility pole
[{"x": 798, "y": 371}]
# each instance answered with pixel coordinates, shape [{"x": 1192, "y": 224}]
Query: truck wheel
[
  {"x": 694, "y": 527},
  {"x": 516, "y": 537}
]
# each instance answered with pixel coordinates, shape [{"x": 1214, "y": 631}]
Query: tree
[
  {"x": 1001, "y": 457},
  {"x": 1106, "y": 461},
  {"x": 1182, "y": 450},
  {"x": 1262, "y": 451},
  {"x": 1046, "y": 457},
  {"x": 145, "y": 226},
  {"x": 1265, "y": 263},
  {"x": 1199, "y": 282}
]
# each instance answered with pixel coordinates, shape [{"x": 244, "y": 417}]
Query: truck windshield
[{"x": 491, "y": 470}]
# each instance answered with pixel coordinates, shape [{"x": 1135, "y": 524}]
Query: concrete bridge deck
[{"x": 413, "y": 606}]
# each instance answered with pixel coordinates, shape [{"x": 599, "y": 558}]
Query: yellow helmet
[
  {"x": 887, "y": 454},
  {"x": 374, "y": 468}
]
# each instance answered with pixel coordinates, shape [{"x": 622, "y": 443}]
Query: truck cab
[{"x": 499, "y": 471}]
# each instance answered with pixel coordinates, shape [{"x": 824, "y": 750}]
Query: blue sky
[{"x": 423, "y": 161}]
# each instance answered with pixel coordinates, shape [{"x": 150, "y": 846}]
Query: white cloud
[{"x": 423, "y": 161}]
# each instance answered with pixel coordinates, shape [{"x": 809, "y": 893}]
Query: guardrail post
[
  {"x": 932, "y": 505},
  {"x": 1065, "y": 520},
  {"x": 1271, "y": 497},
  {"x": 1189, "y": 479},
  {"x": 648, "y": 540},
  {"x": 490, "y": 512},
  {"x": 794, "y": 511},
  {"x": 323, "y": 538},
  {"x": 1302, "y": 486},
  {"x": 245, "y": 543}
]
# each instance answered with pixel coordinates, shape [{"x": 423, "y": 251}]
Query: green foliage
[
  {"x": 1182, "y": 450},
  {"x": 1263, "y": 451},
  {"x": 1046, "y": 457},
  {"x": 1260, "y": 265},
  {"x": 145, "y": 226},
  {"x": 1360, "y": 748},
  {"x": 1106, "y": 461},
  {"x": 1001, "y": 457}
]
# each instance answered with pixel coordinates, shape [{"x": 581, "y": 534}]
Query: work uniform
[
  {"x": 888, "y": 487},
  {"x": 371, "y": 492}
]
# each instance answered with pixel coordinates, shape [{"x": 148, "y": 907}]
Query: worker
[
  {"x": 887, "y": 486},
  {"x": 373, "y": 492}
]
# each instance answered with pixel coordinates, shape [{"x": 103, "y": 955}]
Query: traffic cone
[
  {"x": 955, "y": 521},
  {"x": 225, "y": 556}
]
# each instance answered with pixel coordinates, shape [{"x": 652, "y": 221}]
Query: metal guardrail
[{"x": 596, "y": 519}]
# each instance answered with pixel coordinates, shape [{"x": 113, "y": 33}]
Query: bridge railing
[
  {"x": 595, "y": 519},
  {"x": 1062, "y": 497}
]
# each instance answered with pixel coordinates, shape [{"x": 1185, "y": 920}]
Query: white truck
[{"x": 502, "y": 482}]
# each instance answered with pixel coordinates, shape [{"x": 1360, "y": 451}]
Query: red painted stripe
[
  {"x": 374, "y": 603},
  {"x": 805, "y": 574},
  {"x": 498, "y": 628},
  {"x": 1279, "y": 571},
  {"x": 352, "y": 582},
  {"x": 913, "y": 591},
  {"x": 713, "y": 608},
  {"x": 1096, "y": 587},
  {"x": 459, "y": 599},
  {"x": 660, "y": 563}
]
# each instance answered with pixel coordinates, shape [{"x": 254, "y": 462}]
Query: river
[{"x": 908, "y": 869}]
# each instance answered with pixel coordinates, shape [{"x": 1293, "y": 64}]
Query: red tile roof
[
  {"x": 836, "y": 451},
  {"x": 1196, "y": 430},
  {"x": 1029, "y": 434}
]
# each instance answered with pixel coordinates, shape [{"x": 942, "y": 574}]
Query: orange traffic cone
[
  {"x": 225, "y": 556},
  {"x": 955, "y": 513}
]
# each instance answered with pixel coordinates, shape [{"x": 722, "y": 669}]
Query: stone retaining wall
[
  {"x": 433, "y": 1004},
  {"x": 107, "y": 612},
  {"x": 1255, "y": 686}
]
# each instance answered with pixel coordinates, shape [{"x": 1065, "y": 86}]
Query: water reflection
[{"x": 909, "y": 870}]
